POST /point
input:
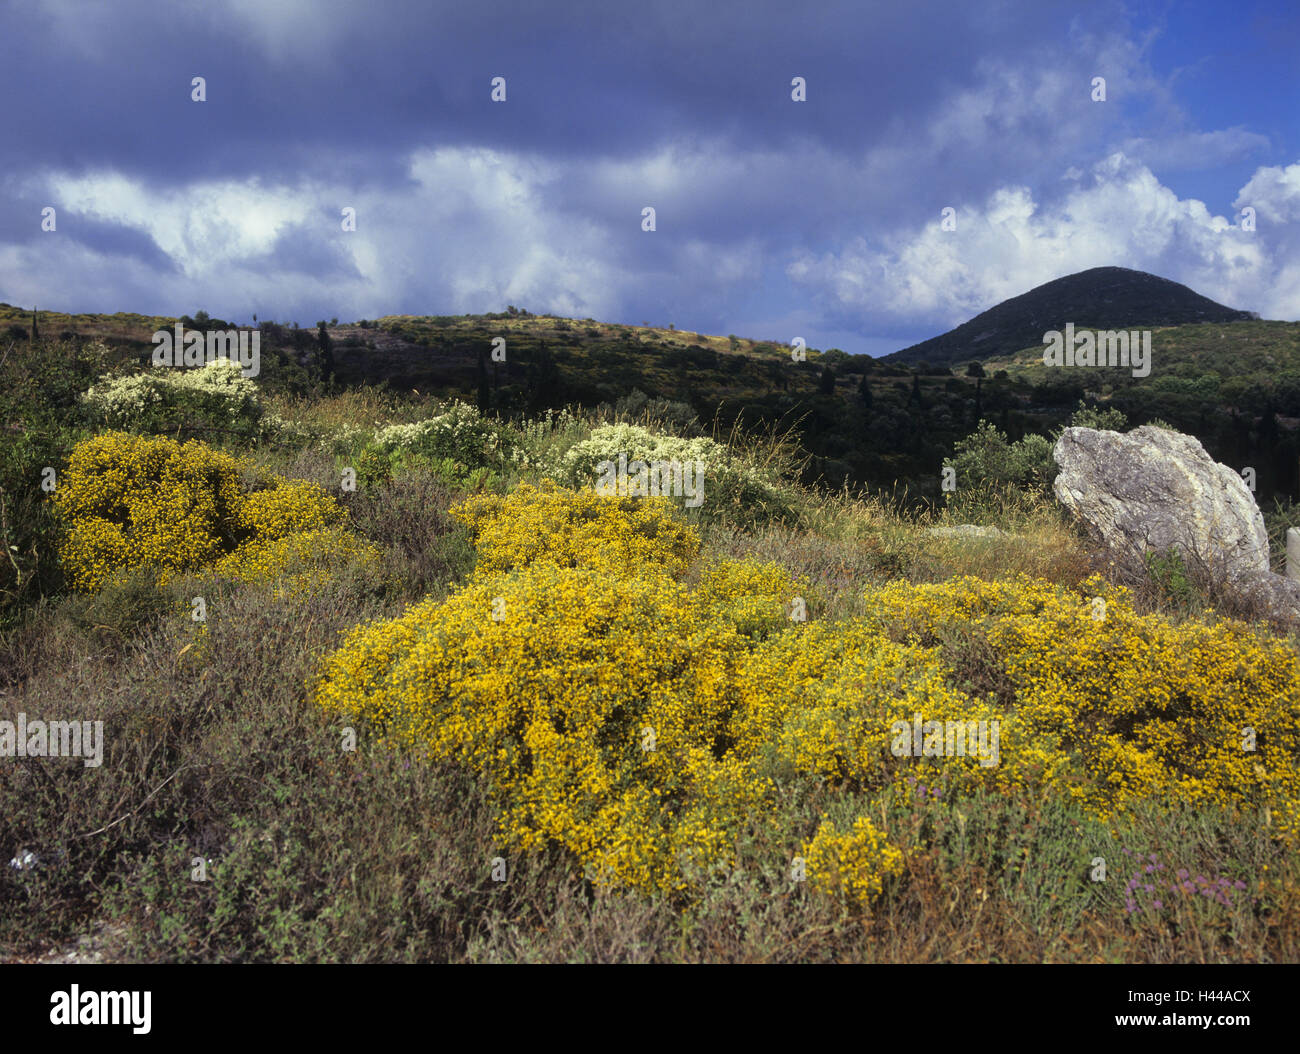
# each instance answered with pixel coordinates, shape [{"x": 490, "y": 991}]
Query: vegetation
[{"x": 442, "y": 702}]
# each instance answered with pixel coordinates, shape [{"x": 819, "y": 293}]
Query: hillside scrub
[
  {"x": 681, "y": 736},
  {"x": 551, "y": 670}
]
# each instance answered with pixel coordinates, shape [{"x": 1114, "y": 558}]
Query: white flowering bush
[
  {"x": 461, "y": 435},
  {"x": 733, "y": 487},
  {"x": 216, "y": 395}
]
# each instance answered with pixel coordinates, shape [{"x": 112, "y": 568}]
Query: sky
[{"x": 774, "y": 218}]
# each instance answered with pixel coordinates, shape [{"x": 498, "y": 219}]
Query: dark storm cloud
[{"x": 768, "y": 212}]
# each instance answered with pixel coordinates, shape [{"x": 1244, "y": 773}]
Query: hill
[
  {"x": 1099, "y": 298},
  {"x": 1234, "y": 385}
]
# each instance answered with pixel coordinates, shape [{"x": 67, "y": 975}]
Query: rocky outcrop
[{"x": 1153, "y": 490}]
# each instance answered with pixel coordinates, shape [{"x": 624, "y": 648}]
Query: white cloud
[{"x": 1009, "y": 243}]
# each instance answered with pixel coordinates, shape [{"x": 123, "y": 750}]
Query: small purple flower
[
  {"x": 1183, "y": 872},
  {"x": 1150, "y": 868},
  {"x": 1158, "y": 903},
  {"x": 1149, "y": 888},
  {"x": 1152, "y": 858},
  {"x": 1239, "y": 884}
]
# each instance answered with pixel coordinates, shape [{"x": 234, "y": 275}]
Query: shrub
[
  {"x": 854, "y": 862},
  {"x": 567, "y": 528},
  {"x": 130, "y": 502},
  {"x": 753, "y": 595},
  {"x": 552, "y": 703},
  {"x": 300, "y": 562},
  {"x": 286, "y": 507},
  {"x": 669, "y": 413},
  {"x": 733, "y": 488},
  {"x": 986, "y": 458},
  {"x": 1112, "y": 707},
  {"x": 461, "y": 434},
  {"x": 216, "y": 396},
  {"x": 1105, "y": 418}
]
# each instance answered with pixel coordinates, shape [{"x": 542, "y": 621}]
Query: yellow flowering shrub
[
  {"x": 753, "y": 595},
  {"x": 288, "y": 506},
  {"x": 1113, "y": 706},
  {"x": 139, "y": 501},
  {"x": 571, "y": 528},
  {"x": 130, "y": 501},
  {"x": 855, "y": 862},
  {"x": 594, "y": 705},
  {"x": 822, "y": 700}
]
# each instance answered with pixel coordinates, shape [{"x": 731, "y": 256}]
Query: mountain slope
[{"x": 1101, "y": 298}]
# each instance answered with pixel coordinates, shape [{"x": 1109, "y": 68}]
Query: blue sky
[{"x": 775, "y": 218}]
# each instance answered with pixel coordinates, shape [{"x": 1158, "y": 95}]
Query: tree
[
  {"x": 985, "y": 457},
  {"x": 324, "y": 353},
  {"x": 826, "y": 382}
]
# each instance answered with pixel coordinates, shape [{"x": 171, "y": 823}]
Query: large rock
[{"x": 1155, "y": 490}]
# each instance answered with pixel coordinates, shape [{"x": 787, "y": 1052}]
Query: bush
[
  {"x": 41, "y": 421},
  {"x": 733, "y": 490},
  {"x": 216, "y": 396},
  {"x": 670, "y": 414},
  {"x": 753, "y": 595},
  {"x": 566, "y": 528},
  {"x": 460, "y": 436},
  {"x": 855, "y": 862},
  {"x": 592, "y": 706},
  {"x": 1112, "y": 707},
  {"x": 1103, "y": 418},
  {"x": 302, "y": 562},
  {"x": 129, "y": 502},
  {"x": 986, "y": 458}
]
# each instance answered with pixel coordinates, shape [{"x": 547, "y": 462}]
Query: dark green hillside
[
  {"x": 1236, "y": 385},
  {"x": 1100, "y": 298}
]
